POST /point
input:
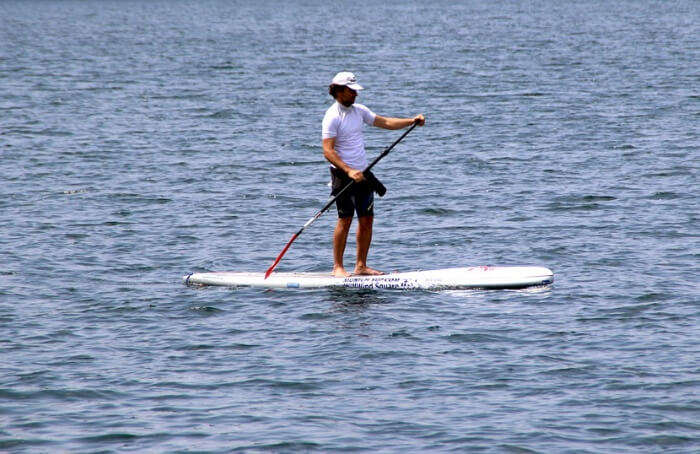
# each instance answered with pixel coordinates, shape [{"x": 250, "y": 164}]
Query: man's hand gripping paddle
[{"x": 330, "y": 202}]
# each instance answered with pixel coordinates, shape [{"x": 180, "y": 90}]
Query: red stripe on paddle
[{"x": 279, "y": 257}]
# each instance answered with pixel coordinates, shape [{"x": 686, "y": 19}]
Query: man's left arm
[{"x": 397, "y": 123}]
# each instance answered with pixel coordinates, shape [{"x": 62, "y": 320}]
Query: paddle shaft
[{"x": 330, "y": 202}]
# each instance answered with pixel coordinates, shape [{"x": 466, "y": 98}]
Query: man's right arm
[
  {"x": 332, "y": 156},
  {"x": 397, "y": 123}
]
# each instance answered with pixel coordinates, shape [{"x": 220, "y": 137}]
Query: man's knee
[
  {"x": 344, "y": 223},
  {"x": 366, "y": 221}
]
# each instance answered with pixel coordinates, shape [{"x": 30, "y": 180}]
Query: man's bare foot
[
  {"x": 339, "y": 272},
  {"x": 367, "y": 271}
]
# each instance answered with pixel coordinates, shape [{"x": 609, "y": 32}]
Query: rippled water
[{"x": 141, "y": 141}]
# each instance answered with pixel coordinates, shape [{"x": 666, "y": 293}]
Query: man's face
[{"x": 346, "y": 96}]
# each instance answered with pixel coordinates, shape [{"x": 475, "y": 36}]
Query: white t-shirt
[{"x": 345, "y": 124}]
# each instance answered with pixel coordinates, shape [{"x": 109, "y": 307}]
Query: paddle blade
[{"x": 279, "y": 257}]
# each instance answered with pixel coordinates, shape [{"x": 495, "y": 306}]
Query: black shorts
[{"x": 358, "y": 198}]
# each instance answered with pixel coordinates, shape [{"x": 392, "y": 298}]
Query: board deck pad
[{"x": 486, "y": 277}]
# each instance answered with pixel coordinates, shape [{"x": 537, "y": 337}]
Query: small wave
[
  {"x": 437, "y": 211},
  {"x": 653, "y": 297},
  {"x": 74, "y": 191},
  {"x": 664, "y": 195},
  {"x": 20, "y": 443},
  {"x": 224, "y": 66},
  {"x": 284, "y": 446},
  {"x": 59, "y": 394},
  {"x": 225, "y": 114},
  {"x": 583, "y": 207},
  {"x": 109, "y": 438},
  {"x": 598, "y": 198},
  {"x": 206, "y": 309},
  {"x": 469, "y": 338}
]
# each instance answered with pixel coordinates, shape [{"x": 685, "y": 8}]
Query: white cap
[{"x": 347, "y": 79}]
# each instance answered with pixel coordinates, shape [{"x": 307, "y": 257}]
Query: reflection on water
[{"x": 345, "y": 299}]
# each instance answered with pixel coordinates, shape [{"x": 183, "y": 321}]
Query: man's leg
[
  {"x": 364, "y": 239},
  {"x": 340, "y": 238}
]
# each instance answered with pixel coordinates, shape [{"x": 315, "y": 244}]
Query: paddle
[{"x": 330, "y": 202}]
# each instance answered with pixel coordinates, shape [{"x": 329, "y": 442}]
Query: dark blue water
[{"x": 141, "y": 141}]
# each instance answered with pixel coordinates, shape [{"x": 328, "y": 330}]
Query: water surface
[{"x": 141, "y": 141}]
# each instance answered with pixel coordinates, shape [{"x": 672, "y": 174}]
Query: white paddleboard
[{"x": 486, "y": 277}]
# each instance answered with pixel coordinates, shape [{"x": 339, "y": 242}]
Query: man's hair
[{"x": 333, "y": 89}]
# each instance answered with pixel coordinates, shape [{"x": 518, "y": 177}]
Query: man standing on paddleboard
[{"x": 344, "y": 148}]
